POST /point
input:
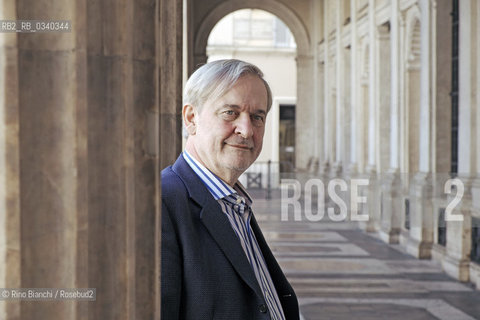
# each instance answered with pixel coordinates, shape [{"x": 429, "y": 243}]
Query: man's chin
[{"x": 239, "y": 166}]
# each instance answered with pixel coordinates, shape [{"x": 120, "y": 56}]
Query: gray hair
[{"x": 214, "y": 79}]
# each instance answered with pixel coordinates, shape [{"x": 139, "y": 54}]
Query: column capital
[{"x": 304, "y": 58}]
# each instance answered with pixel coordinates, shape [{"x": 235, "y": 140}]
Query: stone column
[
  {"x": 10, "y": 242},
  {"x": 304, "y": 122},
  {"x": 352, "y": 169},
  {"x": 392, "y": 201},
  {"x": 383, "y": 119},
  {"x": 339, "y": 86},
  {"x": 474, "y": 267},
  {"x": 422, "y": 214},
  {"x": 327, "y": 160},
  {"x": 457, "y": 259},
  {"x": 318, "y": 74},
  {"x": 321, "y": 108},
  {"x": 80, "y": 124},
  {"x": 52, "y": 147},
  {"x": 372, "y": 206},
  {"x": 442, "y": 134},
  {"x": 170, "y": 63},
  {"x": 347, "y": 107}
]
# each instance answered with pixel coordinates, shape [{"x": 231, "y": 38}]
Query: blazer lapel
[
  {"x": 219, "y": 227},
  {"x": 217, "y": 223},
  {"x": 280, "y": 281}
]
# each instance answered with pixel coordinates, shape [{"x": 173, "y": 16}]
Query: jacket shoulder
[{"x": 172, "y": 185}]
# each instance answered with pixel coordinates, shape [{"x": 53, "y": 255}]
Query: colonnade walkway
[{"x": 340, "y": 272}]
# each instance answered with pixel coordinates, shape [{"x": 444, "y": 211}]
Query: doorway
[{"x": 287, "y": 137}]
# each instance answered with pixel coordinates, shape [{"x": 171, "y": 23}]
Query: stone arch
[
  {"x": 290, "y": 18},
  {"x": 304, "y": 60}
]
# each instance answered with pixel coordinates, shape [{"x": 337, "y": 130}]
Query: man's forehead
[
  {"x": 239, "y": 99},
  {"x": 256, "y": 109}
]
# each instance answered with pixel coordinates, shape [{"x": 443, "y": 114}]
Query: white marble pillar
[
  {"x": 305, "y": 135},
  {"x": 354, "y": 101},
  {"x": 392, "y": 201},
  {"x": 372, "y": 88},
  {"x": 457, "y": 260},
  {"x": 317, "y": 81},
  {"x": 372, "y": 206},
  {"x": 347, "y": 105},
  {"x": 422, "y": 214},
  {"x": 321, "y": 107},
  {"x": 327, "y": 160},
  {"x": 475, "y": 267},
  {"x": 339, "y": 85}
]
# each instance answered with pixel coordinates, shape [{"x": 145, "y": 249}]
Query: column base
[
  {"x": 475, "y": 274},
  {"x": 391, "y": 236},
  {"x": 457, "y": 268},
  {"x": 336, "y": 170},
  {"x": 372, "y": 206},
  {"x": 404, "y": 237},
  {"x": 421, "y": 217},
  {"x": 419, "y": 249},
  {"x": 324, "y": 170},
  {"x": 351, "y": 171},
  {"x": 391, "y": 207}
]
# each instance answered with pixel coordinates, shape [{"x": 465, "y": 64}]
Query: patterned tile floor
[{"x": 339, "y": 272}]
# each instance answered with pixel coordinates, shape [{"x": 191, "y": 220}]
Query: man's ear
[{"x": 190, "y": 118}]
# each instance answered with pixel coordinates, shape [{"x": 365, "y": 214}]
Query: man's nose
[{"x": 244, "y": 126}]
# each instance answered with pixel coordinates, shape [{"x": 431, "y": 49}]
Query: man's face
[{"x": 229, "y": 131}]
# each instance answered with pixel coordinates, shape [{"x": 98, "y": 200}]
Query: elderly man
[{"x": 215, "y": 261}]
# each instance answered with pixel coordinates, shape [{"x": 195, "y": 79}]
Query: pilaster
[
  {"x": 421, "y": 216},
  {"x": 305, "y": 135},
  {"x": 457, "y": 259},
  {"x": 354, "y": 109},
  {"x": 456, "y": 262},
  {"x": 391, "y": 184},
  {"x": 391, "y": 207},
  {"x": 339, "y": 86},
  {"x": 372, "y": 206},
  {"x": 327, "y": 124}
]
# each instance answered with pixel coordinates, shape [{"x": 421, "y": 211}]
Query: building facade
[{"x": 387, "y": 91}]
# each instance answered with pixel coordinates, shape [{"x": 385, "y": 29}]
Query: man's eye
[
  {"x": 258, "y": 118},
  {"x": 229, "y": 114}
]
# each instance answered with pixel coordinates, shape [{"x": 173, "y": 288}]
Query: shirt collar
[
  {"x": 217, "y": 187},
  {"x": 243, "y": 193}
]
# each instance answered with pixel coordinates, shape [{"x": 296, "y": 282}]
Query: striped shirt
[{"x": 236, "y": 204}]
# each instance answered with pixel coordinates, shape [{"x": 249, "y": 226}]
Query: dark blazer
[{"x": 205, "y": 274}]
